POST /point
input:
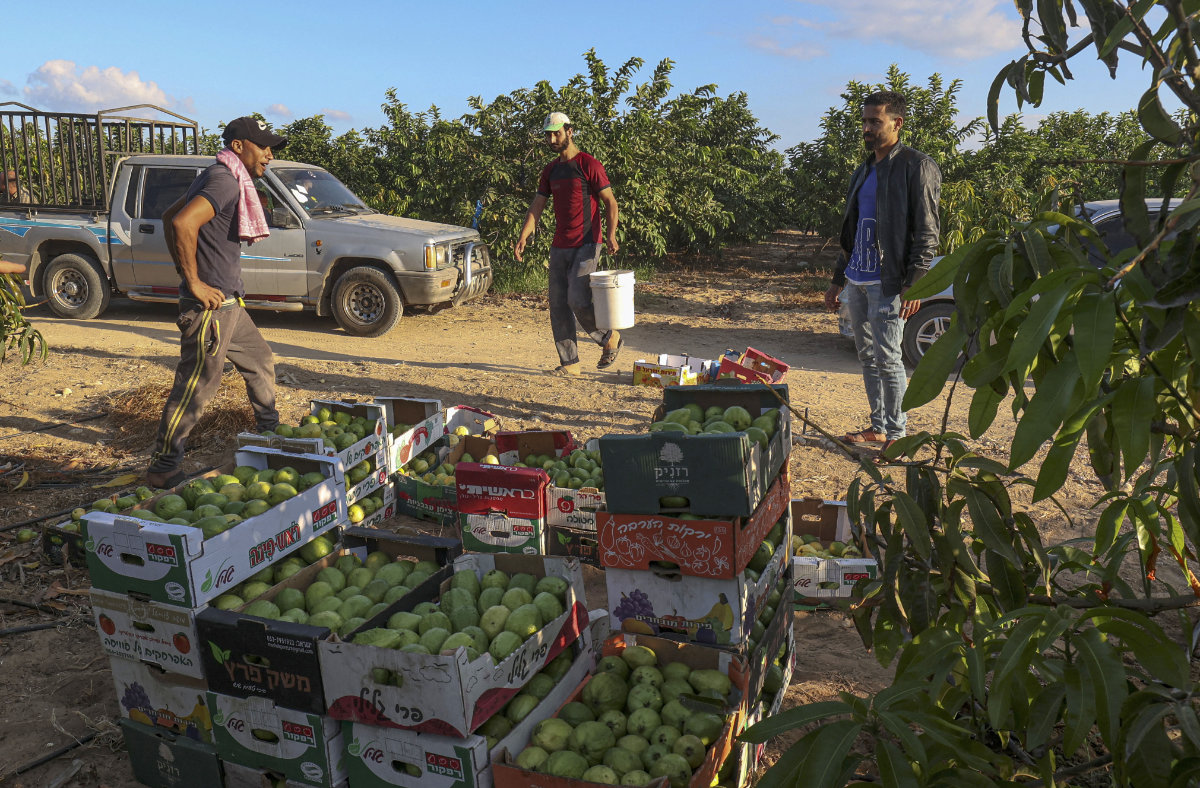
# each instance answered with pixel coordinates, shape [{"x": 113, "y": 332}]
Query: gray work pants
[{"x": 571, "y": 299}]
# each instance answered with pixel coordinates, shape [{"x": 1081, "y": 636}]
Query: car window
[
  {"x": 276, "y": 210},
  {"x": 1116, "y": 237},
  {"x": 163, "y": 186}
]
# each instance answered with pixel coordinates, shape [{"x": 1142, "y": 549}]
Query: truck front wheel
[
  {"x": 75, "y": 287},
  {"x": 366, "y": 302}
]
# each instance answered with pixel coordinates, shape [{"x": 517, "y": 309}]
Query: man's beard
[{"x": 869, "y": 144}]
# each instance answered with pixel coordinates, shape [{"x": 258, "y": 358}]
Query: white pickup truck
[{"x": 86, "y": 221}]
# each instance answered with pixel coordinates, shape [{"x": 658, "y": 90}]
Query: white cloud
[
  {"x": 7, "y": 88},
  {"x": 279, "y": 110},
  {"x": 60, "y": 85},
  {"x": 969, "y": 29},
  {"x": 337, "y": 115},
  {"x": 799, "y": 51}
]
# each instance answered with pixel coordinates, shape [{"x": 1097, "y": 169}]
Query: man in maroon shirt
[{"x": 578, "y": 184}]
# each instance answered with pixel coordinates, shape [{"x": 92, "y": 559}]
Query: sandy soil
[{"x": 57, "y": 683}]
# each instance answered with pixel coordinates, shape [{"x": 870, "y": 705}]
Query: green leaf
[
  {"x": 1108, "y": 525},
  {"x": 218, "y": 654},
  {"x": 895, "y": 770},
  {"x": 989, "y": 525},
  {"x": 935, "y": 367},
  {"x": 1155, "y": 652},
  {"x": 1053, "y": 473},
  {"x": 1106, "y": 675},
  {"x": 912, "y": 519},
  {"x": 792, "y": 719},
  {"x": 825, "y": 764},
  {"x": 1081, "y": 710},
  {"x": 1132, "y": 411},
  {"x": 1034, "y": 329},
  {"x": 786, "y": 771},
  {"x": 1050, "y": 15},
  {"x": 1133, "y": 195},
  {"x": 1044, "y": 711},
  {"x": 1124, "y": 26},
  {"x": 984, "y": 404},
  {"x": 1046, "y": 412},
  {"x": 1095, "y": 322},
  {"x": 993, "y": 102},
  {"x": 1188, "y": 479},
  {"x": 1156, "y": 121}
]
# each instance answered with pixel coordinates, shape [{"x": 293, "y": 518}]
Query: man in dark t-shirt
[
  {"x": 204, "y": 230},
  {"x": 578, "y": 184}
]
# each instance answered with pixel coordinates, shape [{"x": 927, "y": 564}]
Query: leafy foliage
[
  {"x": 1017, "y": 660},
  {"x": 16, "y": 332}
]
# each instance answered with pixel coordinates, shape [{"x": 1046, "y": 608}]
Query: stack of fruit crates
[
  {"x": 430, "y": 690},
  {"x": 154, "y": 570},
  {"x": 266, "y": 684},
  {"x": 356, "y": 434}
]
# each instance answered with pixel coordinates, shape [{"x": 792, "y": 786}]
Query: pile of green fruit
[
  {"x": 581, "y": 468},
  {"x": 691, "y": 419},
  {"x": 425, "y": 466},
  {"x": 629, "y": 725},
  {"x": 773, "y": 680},
  {"x": 215, "y": 505},
  {"x": 341, "y": 597},
  {"x": 809, "y": 546},
  {"x": 365, "y": 507},
  {"x": 337, "y": 429},
  {"x": 112, "y": 505},
  {"x": 525, "y": 701},
  {"x": 493, "y": 614}
]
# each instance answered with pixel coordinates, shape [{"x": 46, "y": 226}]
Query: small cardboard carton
[
  {"x": 474, "y": 420},
  {"x": 298, "y": 745},
  {"x": 162, "y": 759},
  {"x": 827, "y": 582},
  {"x": 707, "y": 610},
  {"x": 575, "y": 507},
  {"x": 753, "y": 366},
  {"x": 506, "y": 774},
  {"x": 166, "y": 701},
  {"x": 449, "y": 695},
  {"x": 514, "y": 447},
  {"x": 581, "y": 544},
  {"x": 247, "y": 656},
  {"x": 153, "y": 632},
  {"x": 427, "y": 425},
  {"x": 175, "y": 564},
  {"x": 501, "y": 509},
  {"x": 384, "y": 757},
  {"x": 238, "y": 776},
  {"x": 670, "y": 370},
  {"x": 714, "y": 548}
]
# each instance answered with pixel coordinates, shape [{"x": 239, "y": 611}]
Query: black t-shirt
[{"x": 218, "y": 250}]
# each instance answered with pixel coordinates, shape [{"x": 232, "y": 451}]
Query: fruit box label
[
  {"x": 255, "y": 732},
  {"x": 166, "y": 701},
  {"x": 517, "y": 492},
  {"x": 700, "y": 548},
  {"x": 432, "y": 502},
  {"x": 163, "y": 635},
  {"x": 167, "y": 760},
  {"x": 385, "y": 512},
  {"x": 176, "y": 565},
  {"x": 387, "y": 757},
  {"x": 573, "y": 508},
  {"x": 500, "y": 533},
  {"x": 827, "y": 579},
  {"x": 447, "y": 694},
  {"x": 571, "y": 542}
]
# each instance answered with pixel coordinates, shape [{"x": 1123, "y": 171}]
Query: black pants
[{"x": 208, "y": 338}]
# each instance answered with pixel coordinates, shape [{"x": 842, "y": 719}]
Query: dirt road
[{"x": 490, "y": 355}]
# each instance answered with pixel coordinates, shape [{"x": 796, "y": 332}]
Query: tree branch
[
  {"x": 1072, "y": 771},
  {"x": 1123, "y": 162}
]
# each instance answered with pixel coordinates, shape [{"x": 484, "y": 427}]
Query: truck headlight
[{"x": 436, "y": 255}]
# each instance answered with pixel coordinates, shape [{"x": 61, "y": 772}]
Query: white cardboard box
[{"x": 144, "y": 631}]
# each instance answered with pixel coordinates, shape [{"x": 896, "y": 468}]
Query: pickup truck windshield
[{"x": 318, "y": 192}]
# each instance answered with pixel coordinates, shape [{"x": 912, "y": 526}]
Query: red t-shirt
[{"x": 574, "y": 185}]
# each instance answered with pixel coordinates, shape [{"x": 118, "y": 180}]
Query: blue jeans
[{"x": 878, "y": 331}]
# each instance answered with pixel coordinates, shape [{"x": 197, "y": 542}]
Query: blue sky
[{"x": 791, "y": 57}]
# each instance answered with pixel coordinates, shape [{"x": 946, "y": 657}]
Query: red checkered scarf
[{"x": 252, "y": 222}]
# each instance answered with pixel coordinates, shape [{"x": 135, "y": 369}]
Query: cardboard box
[
  {"x": 575, "y": 508},
  {"x": 826, "y": 582},
  {"x": 388, "y": 493},
  {"x": 514, "y": 447},
  {"x": 448, "y": 694},
  {"x": 670, "y": 370},
  {"x": 506, "y": 774},
  {"x": 257, "y": 733},
  {"x": 757, "y": 399},
  {"x": 161, "y": 759},
  {"x": 428, "y": 425},
  {"x": 238, "y": 776},
  {"x": 707, "y": 610},
  {"x": 501, "y": 509},
  {"x": 438, "y": 503},
  {"x": 60, "y": 546},
  {"x": 167, "y": 701},
  {"x": 175, "y": 564},
  {"x": 251, "y": 656},
  {"x": 572, "y": 542},
  {"x": 753, "y": 366},
  {"x": 477, "y": 422},
  {"x": 377, "y": 757},
  {"x": 712, "y": 548},
  {"x": 152, "y": 632}
]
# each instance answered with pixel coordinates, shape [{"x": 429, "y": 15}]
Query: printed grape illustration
[
  {"x": 634, "y": 605},
  {"x": 135, "y": 697}
]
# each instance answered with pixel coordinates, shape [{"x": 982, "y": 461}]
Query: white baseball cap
[{"x": 555, "y": 121}]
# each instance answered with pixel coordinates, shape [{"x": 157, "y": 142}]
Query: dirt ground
[{"x": 77, "y": 422}]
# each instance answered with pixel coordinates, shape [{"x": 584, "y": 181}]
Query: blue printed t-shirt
[
  {"x": 218, "y": 249},
  {"x": 863, "y": 268}
]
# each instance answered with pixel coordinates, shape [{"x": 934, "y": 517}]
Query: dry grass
[{"x": 134, "y": 415}]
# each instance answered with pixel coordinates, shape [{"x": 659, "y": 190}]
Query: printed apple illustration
[
  {"x": 107, "y": 624},
  {"x": 182, "y": 644}
]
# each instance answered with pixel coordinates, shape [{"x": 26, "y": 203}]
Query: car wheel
[
  {"x": 923, "y": 329},
  {"x": 366, "y": 302},
  {"x": 75, "y": 287}
]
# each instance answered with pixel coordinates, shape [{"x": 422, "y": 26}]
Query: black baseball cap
[{"x": 253, "y": 129}]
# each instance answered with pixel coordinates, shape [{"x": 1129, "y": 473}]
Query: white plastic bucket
[{"x": 612, "y": 297}]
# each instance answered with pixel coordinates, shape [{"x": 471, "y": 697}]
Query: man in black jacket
[{"x": 889, "y": 236}]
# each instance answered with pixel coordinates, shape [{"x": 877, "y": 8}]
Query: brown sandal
[
  {"x": 609, "y": 356},
  {"x": 864, "y": 436}
]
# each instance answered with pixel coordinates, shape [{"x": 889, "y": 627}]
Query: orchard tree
[{"x": 1019, "y": 661}]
